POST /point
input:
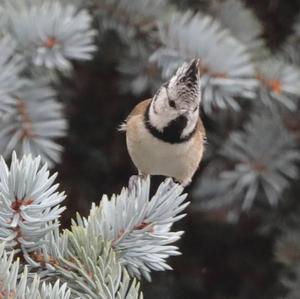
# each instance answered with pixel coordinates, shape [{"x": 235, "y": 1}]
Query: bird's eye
[{"x": 172, "y": 103}]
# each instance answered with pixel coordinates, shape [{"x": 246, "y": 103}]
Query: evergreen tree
[{"x": 250, "y": 106}]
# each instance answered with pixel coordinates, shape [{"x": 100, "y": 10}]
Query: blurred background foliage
[
  {"x": 242, "y": 235},
  {"x": 225, "y": 254}
]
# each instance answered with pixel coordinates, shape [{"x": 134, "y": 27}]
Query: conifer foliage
[{"x": 251, "y": 164}]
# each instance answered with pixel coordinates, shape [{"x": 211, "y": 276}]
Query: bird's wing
[
  {"x": 201, "y": 129},
  {"x": 137, "y": 110}
]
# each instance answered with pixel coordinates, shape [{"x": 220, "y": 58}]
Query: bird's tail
[{"x": 122, "y": 127}]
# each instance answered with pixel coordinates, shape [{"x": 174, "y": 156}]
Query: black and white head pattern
[
  {"x": 174, "y": 110},
  {"x": 184, "y": 87}
]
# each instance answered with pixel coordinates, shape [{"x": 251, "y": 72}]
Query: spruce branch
[
  {"x": 11, "y": 64},
  {"x": 54, "y": 291},
  {"x": 279, "y": 83},
  {"x": 291, "y": 48},
  {"x": 290, "y": 52},
  {"x": 29, "y": 204},
  {"x": 131, "y": 19},
  {"x": 51, "y": 33},
  {"x": 139, "y": 227},
  {"x": 135, "y": 22},
  {"x": 287, "y": 252},
  {"x": 34, "y": 122},
  {"x": 222, "y": 79},
  {"x": 85, "y": 263},
  {"x": 213, "y": 192},
  {"x": 240, "y": 20},
  {"x": 139, "y": 73},
  {"x": 22, "y": 287},
  {"x": 259, "y": 170},
  {"x": 91, "y": 269},
  {"x": 287, "y": 247},
  {"x": 260, "y": 167},
  {"x": 9, "y": 286},
  {"x": 129, "y": 230}
]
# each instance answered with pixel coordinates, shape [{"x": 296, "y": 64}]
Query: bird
[{"x": 165, "y": 134}]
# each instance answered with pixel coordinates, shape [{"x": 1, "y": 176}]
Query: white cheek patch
[
  {"x": 161, "y": 117},
  {"x": 192, "y": 120}
]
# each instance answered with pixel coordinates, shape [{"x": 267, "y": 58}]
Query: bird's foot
[
  {"x": 171, "y": 183},
  {"x": 183, "y": 183}
]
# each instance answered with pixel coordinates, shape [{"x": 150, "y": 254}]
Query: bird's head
[{"x": 180, "y": 96}]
